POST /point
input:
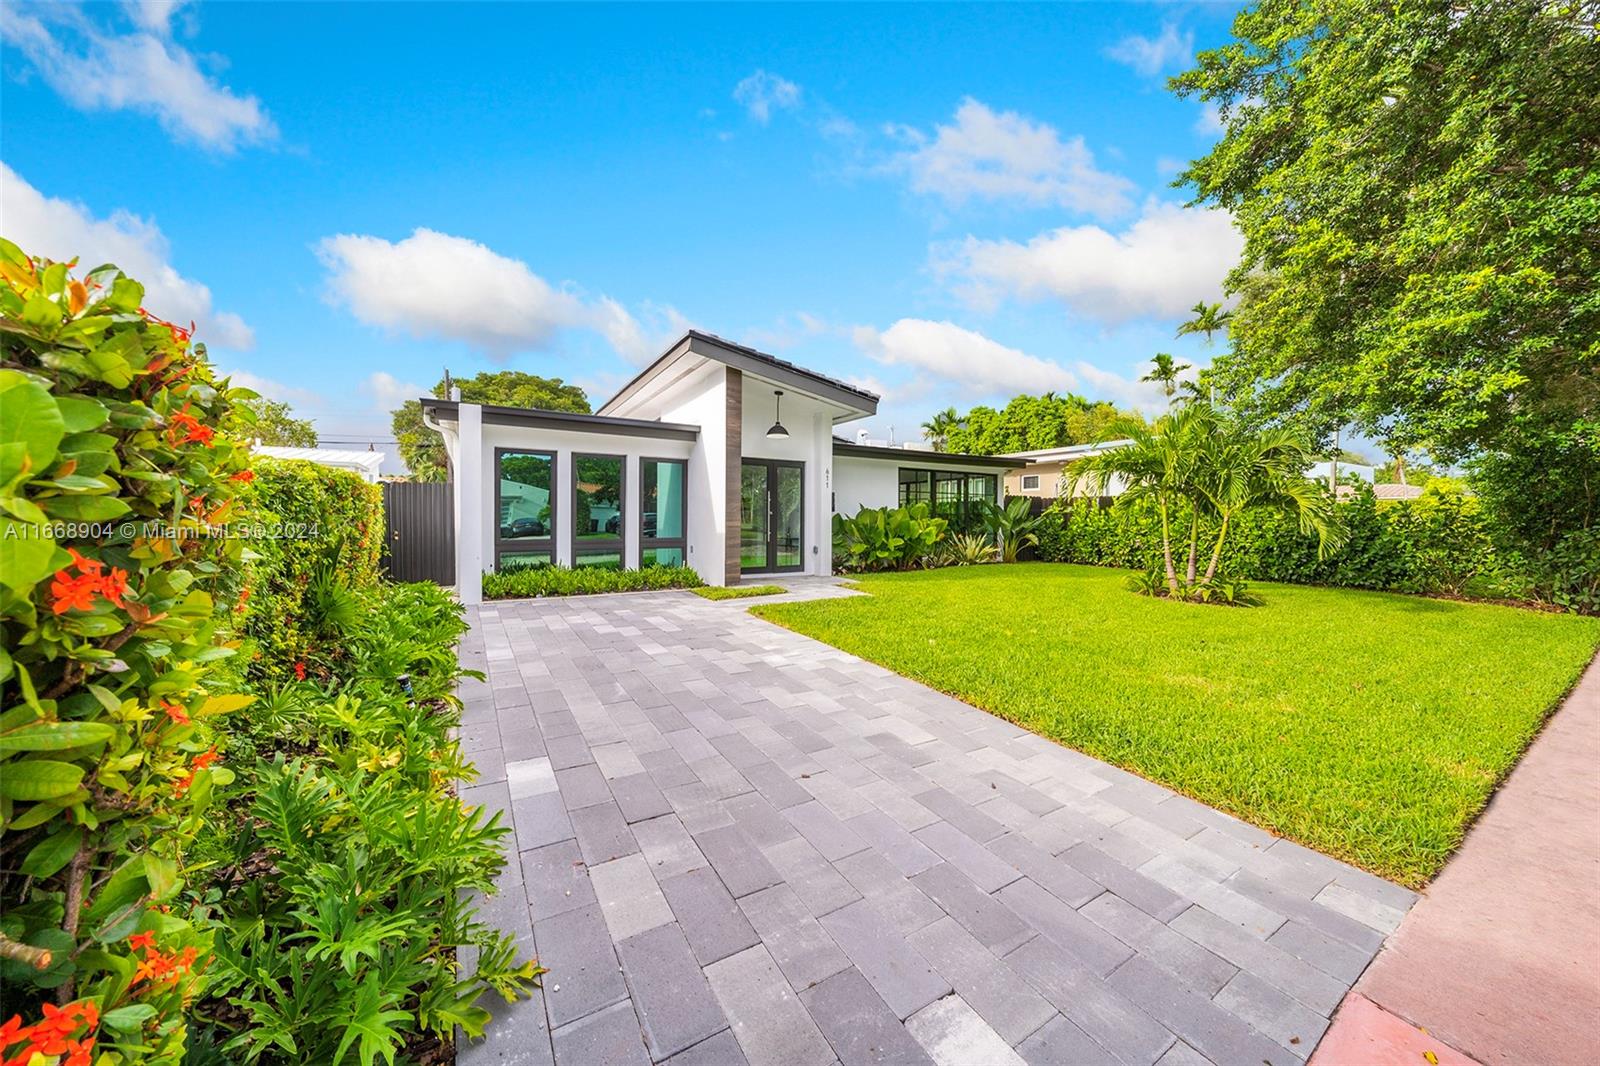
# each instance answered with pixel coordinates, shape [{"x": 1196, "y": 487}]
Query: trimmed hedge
[
  {"x": 1438, "y": 543},
  {"x": 529, "y": 581},
  {"x": 318, "y": 522}
]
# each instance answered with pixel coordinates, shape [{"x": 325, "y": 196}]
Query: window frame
[
  {"x": 1027, "y": 478},
  {"x": 606, "y": 545},
  {"x": 956, "y": 507},
  {"x": 538, "y": 545},
  {"x": 680, "y": 542}
]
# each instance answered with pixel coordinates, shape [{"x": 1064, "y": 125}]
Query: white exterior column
[
  {"x": 471, "y": 482},
  {"x": 820, "y": 516}
]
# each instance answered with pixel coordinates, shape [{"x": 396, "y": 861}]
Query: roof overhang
[
  {"x": 910, "y": 457},
  {"x": 534, "y": 418},
  {"x": 695, "y": 346}
]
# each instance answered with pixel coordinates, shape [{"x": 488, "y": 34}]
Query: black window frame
[
  {"x": 679, "y": 542},
  {"x": 606, "y": 545},
  {"x": 545, "y": 545},
  {"x": 958, "y": 508}
]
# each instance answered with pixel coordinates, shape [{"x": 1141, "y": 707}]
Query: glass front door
[{"x": 771, "y": 515}]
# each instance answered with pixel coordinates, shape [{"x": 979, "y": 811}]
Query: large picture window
[
  {"x": 663, "y": 511},
  {"x": 955, "y": 496},
  {"x": 525, "y": 505},
  {"x": 597, "y": 515}
]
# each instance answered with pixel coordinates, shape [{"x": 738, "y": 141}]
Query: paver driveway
[{"x": 736, "y": 844}]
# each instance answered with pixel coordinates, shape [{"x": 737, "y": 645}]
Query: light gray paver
[{"x": 799, "y": 857}]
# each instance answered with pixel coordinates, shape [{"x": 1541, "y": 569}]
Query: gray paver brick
[
  {"x": 610, "y": 1036},
  {"x": 530, "y": 777},
  {"x": 719, "y": 1050},
  {"x": 962, "y": 815},
  {"x": 667, "y": 846},
  {"x": 994, "y": 989},
  {"x": 583, "y": 977},
  {"x": 1154, "y": 899},
  {"x": 711, "y": 921},
  {"x": 819, "y": 884},
  {"x": 1059, "y": 1043},
  {"x": 1097, "y": 948},
  {"x": 582, "y": 786},
  {"x": 954, "y": 1034},
  {"x": 1059, "y": 878},
  {"x": 861, "y": 1028},
  {"x": 1214, "y": 1032},
  {"x": 1190, "y": 963},
  {"x": 638, "y": 797},
  {"x": 1109, "y": 1018},
  {"x": 1272, "y": 1013},
  {"x": 555, "y": 879},
  {"x": 826, "y": 833},
  {"x": 675, "y": 1005},
  {"x": 1329, "y": 954},
  {"x": 803, "y": 951},
  {"x": 982, "y": 867},
  {"x": 771, "y": 1025},
  {"x": 1277, "y": 967},
  {"x": 908, "y": 854},
  {"x": 737, "y": 860},
  {"x": 901, "y": 976},
  {"x": 994, "y": 924},
  {"x": 540, "y": 820},
  {"x": 567, "y": 751},
  {"x": 760, "y": 820},
  {"x": 779, "y": 788},
  {"x": 602, "y": 833},
  {"x": 629, "y": 898}
]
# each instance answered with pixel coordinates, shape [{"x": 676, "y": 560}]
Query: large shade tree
[
  {"x": 1418, "y": 186},
  {"x": 1030, "y": 423},
  {"x": 423, "y": 449}
]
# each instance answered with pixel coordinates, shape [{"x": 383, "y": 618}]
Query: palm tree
[
  {"x": 937, "y": 429},
  {"x": 1209, "y": 319},
  {"x": 1165, "y": 369}
]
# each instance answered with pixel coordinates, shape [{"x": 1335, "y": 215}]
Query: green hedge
[
  {"x": 565, "y": 581},
  {"x": 1436, "y": 543},
  {"x": 316, "y": 522}
]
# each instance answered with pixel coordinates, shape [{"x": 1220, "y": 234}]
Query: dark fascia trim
[
  {"x": 908, "y": 457},
  {"x": 448, "y": 411},
  {"x": 754, "y": 362}
]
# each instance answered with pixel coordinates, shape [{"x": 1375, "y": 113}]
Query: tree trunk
[
  {"x": 1194, "y": 543},
  {"x": 1166, "y": 550},
  {"x": 1216, "y": 553}
]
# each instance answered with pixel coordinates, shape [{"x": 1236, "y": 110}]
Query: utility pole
[{"x": 1333, "y": 466}]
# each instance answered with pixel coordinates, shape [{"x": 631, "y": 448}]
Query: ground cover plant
[
  {"x": 738, "y": 592},
  {"x": 1369, "y": 726},
  {"x": 527, "y": 581}
]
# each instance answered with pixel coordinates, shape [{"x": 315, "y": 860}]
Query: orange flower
[
  {"x": 300, "y": 671},
  {"x": 78, "y": 1052},
  {"x": 69, "y": 593},
  {"x": 142, "y": 940},
  {"x": 245, "y": 476},
  {"x": 85, "y": 565},
  {"x": 175, "y": 712},
  {"x": 192, "y": 429},
  {"x": 114, "y": 586},
  {"x": 206, "y": 758}
]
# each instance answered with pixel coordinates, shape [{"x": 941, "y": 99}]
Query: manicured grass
[
  {"x": 738, "y": 592},
  {"x": 1369, "y": 726}
]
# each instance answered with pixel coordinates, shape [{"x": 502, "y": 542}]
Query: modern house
[
  {"x": 1045, "y": 472},
  {"x": 368, "y": 464},
  {"x": 715, "y": 455}
]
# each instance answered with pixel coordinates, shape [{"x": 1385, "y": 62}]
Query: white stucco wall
[
  {"x": 810, "y": 441},
  {"x": 703, "y": 402},
  {"x": 862, "y": 482}
]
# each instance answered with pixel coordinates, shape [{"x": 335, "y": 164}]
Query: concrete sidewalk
[{"x": 1497, "y": 961}]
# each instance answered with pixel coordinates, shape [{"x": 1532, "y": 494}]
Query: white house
[
  {"x": 1047, "y": 471},
  {"x": 715, "y": 455},
  {"x": 368, "y": 464}
]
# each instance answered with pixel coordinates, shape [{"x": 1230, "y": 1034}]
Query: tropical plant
[
  {"x": 1164, "y": 369},
  {"x": 527, "y": 581},
  {"x": 1029, "y": 423},
  {"x": 271, "y": 422},
  {"x": 1214, "y": 469},
  {"x": 117, "y": 480},
  {"x": 968, "y": 549},
  {"x": 1209, "y": 319},
  {"x": 1013, "y": 525},
  {"x": 936, "y": 430},
  {"x": 882, "y": 538}
]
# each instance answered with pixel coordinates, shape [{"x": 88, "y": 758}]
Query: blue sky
[{"x": 947, "y": 204}]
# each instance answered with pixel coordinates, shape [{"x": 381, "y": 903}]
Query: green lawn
[
  {"x": 737, "y": 592},
  {"x": 1369, "y": 726}
]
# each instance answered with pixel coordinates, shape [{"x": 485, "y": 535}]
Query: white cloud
[
  {"x": 988, "y": 155},
  {"x": 761, "y": 93},
  {"x": 95, "y": 68},
  {"x": 1150, "y": 56},
  {"x": 154, "y": 15},
  {"x": 1157, "y": 267},
  {"x": 389, "y": 392},
  {"x": 61, "y": 230},
  {"x": 1210, "y": 122},
  {"x": 981, "y": 367},
  {"x": 432, "y": 284}
]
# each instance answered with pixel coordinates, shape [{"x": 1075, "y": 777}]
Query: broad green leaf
[
  {"x": 53, "y": 852},
  {"x": 54, "y": 736},
  {"x": 81, "y": 413},
  {"x": 38, "y": 779},
  {"x": 27, "y": 554},
  {"x": 161, "y": 874},
  {"x": 84, "y": 508},
  {"x": 128, "y": 1019},
  {"x": 29, "y": 417}
]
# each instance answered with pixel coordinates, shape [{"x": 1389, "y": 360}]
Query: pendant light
[{"x": 777, "y": 432}]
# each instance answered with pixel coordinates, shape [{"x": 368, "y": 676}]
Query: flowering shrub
[{"x": 113, "y": 591}]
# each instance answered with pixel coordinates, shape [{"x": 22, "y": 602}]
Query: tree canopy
[
  {"x": 423, "y": 449},
  {"x": 273, "y": 423},
  {"x": 1417, "y": 187},
  {"x": 1029, "y": 423}
]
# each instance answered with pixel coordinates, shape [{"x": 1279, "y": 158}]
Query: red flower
[
  {"x": 145, "y": 941},
  {"x": 300, "y": 671},
  {"x": 245, "y": 476},
  {"x": 69, "y": 593},
  {"x": 206, "y": 758},
  {"x": 114, "y": 586},
  {"x": 190, "y": 426},
  {"x": 85, "y": 565},
  {"x": 175, "y": 712}
]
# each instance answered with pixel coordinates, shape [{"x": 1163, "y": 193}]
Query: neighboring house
[
  {"x": 1396, "y": 491},
  {"x": 1320, "y": 471},
  {"x": 1046, "y": 472},
  {"x": 368, "y": 464},
  {"x": 697, "y": 460}
]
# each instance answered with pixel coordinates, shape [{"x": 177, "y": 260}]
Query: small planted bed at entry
[{"x": 1370, "y": 726}]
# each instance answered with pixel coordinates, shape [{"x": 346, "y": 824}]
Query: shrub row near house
[
  {"x": 323, "y": 537},
  {"x": 114, "y": 605},
  {"x": 528, "y": 581},
  {"x": 1438, "y": 543},
  {"x": 910, "y": 537}
]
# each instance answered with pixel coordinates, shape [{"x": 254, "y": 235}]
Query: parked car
[
  {"x": 614, "y": 524},
  {"x": 524, "y": 527}
]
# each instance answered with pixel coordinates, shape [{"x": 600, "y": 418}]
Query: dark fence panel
[{"x": 419, "y": 541}]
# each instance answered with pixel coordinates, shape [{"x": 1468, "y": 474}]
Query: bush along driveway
[{"x": 739, "y": 844}]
